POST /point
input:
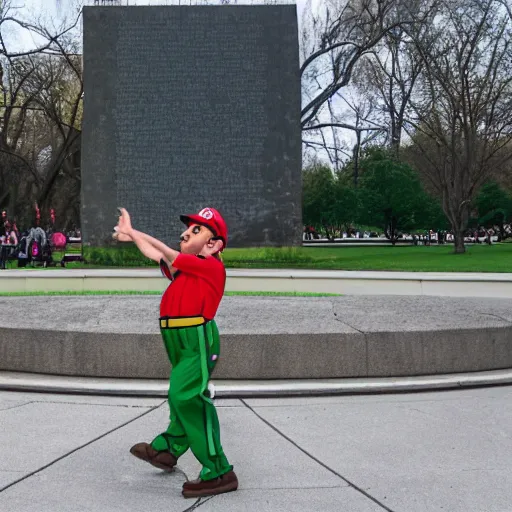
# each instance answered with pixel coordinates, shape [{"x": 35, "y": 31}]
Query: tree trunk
[
  {"x": 357, "y": 149},
  {"x": 460, "y": 248},
  {"x": 390, "y": 230},
  {"x": 328, "y": 233}
]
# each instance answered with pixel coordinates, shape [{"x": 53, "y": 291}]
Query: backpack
[
  {"x": 58, "y": 241},
  {"x": 34, "y": 250},
  {"x": 23, "y": 245}
]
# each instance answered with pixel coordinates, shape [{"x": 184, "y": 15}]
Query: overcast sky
[
  {"x": 49, "y": 11},
  {"x": 58, "y": 12}
]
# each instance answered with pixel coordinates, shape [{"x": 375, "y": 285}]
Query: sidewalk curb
[
  {"x": 17, "y": 381},
  {"x": 352, "y": 282}
]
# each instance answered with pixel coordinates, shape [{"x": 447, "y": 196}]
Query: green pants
[{"x": 193, "y": 353}]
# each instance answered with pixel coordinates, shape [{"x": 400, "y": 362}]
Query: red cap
[{"x": 210, "y": 218}]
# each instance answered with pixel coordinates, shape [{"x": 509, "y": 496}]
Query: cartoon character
[{"x": 191, "y": 339}]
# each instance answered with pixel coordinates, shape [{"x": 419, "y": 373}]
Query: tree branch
[{"x": 343, "y": 125}]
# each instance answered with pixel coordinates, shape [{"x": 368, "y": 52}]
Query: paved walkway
[
  {"x": 454, "y": 284},
  {"x": 259, "y": 273},
  {"x": 446, "y": 451}
]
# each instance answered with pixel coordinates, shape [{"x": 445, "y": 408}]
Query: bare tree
[
  {"x": 61, "y": 103},
  {"x": 358, "y": 112},
  {"x": 462, "y": 128},
  {"x": 337, "y": 43},
  {"x": 389, "y": 74},
  {"x": 339, "y": 37},
  {"x": 41, "y": 93}
]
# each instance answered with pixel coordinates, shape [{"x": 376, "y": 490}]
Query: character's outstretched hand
[
  {"x": 121, "y": 237},
  {"x": 123, "y": 228},
  {"x": 125, "y": 223}
]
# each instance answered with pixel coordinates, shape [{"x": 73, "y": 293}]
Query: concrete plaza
[{"x": 445, "y": 451}]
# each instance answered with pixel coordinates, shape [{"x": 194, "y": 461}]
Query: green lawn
[{"x": 478, "y": 258}]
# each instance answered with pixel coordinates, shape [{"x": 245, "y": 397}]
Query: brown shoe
[
  {"x": 197, "y": 488},
  {"x": 161, "y": 460}
]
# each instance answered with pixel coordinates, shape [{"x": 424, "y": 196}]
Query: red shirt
[{"x": 196, "y": 289}]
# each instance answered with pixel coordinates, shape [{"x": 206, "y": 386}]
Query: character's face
[{"x": 194, "y": 239}]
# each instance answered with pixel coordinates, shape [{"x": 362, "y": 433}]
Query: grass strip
[
  {"x": 156, "y": 292},
  {"x": 477, "y": 258}
]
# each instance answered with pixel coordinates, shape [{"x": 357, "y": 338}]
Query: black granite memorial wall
[{"x": 187, "y": 107}]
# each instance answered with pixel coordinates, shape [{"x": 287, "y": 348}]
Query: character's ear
[{"x": 215, "y": 244}]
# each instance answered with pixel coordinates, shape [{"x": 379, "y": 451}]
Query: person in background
[{"x": 9, "y": 242}]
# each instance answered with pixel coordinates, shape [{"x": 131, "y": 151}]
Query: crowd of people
[
  {"x": 33, "y": 245},
  {"x": 479, "y": 235}
]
